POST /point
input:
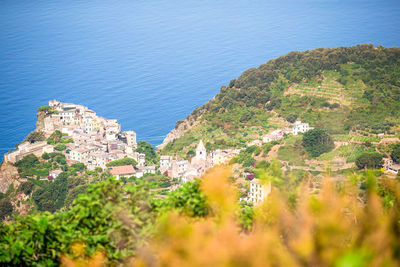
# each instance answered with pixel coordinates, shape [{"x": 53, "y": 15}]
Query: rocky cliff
[
  {"x": 7, "y": 176},
  {"x": 178, "y": 131}
]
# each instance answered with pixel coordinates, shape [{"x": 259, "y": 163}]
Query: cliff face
[
  {"x": 7, "y": 174},
  {"x": 40, "y": 121},
  {"x": 178, "y": 131}
]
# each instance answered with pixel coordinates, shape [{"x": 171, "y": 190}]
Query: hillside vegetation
[{"x": 345, "y": 90}]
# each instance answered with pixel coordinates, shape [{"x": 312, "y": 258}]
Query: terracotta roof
[{"x": 122, "y": 170}]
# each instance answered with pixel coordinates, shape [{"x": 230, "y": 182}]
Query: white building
[
  {"x": 255, "y": 143},
  {"x": 88, "y": 124},
  {"x": 142, "y": 170},
  {"x": 300, "y": 127},
  {"x": 78, "y": 154},
  {"x": 165, "y": 163},
  {"x": 258, "y": 191},
  {"x": 130, "y": 138},
  {"x": 140, "y": 158},
  {"x": 273, "y": 136},
  {"x": 179, "y": 167},
  {"x": 189, "y": 176},
  {"x": 55, "y": 173}
]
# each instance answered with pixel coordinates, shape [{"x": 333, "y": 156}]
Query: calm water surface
[{"x": 150, "y": 63}]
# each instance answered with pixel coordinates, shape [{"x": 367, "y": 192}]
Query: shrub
[
  {"x": 35, "y": 137},
  {"x": 60, "y": 147}
]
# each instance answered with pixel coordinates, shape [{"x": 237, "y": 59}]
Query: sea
[{"x": 150, "y": 63}]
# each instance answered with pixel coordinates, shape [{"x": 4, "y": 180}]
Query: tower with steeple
[{"x": 201, "y": 152}]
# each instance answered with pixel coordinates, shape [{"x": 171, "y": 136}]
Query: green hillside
[{"x": 353, "y": 92}]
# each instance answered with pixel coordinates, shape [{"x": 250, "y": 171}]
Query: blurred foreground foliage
[
  {"x": 351, "y": 222},
  {"x": 339, "y": 226},
  {"x": 108, "y": 219}
]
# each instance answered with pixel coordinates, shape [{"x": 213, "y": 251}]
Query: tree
[
  {"x": 44, "y": 109},
  {"x": 291, "y": 118},
  {"x": 6, "y": 208},
  {"x": 122, "y": 162},
  {"x": 26, "y": 187},
  {"x": 146, "y": 148},
  {"x": 51, "y": 196},
  {"x": 317, "y": 142},
  {"x": 27, "y": 165},
  {"x": 78, "y": 166},
  {"x": 395, "y": 155},
  {"x": 45, "y": 156},
  {"x": 55, "y": 137},
  {"x": 369, "y": 160},
  {"x": 190, "y": 154}
]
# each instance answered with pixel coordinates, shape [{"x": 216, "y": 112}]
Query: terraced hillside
[
  {"x": 330, "y": 89},
  {"x": 346, "y": 90}
]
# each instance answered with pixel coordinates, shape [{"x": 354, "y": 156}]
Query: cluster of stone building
[
  {"x": 96, "y": 140},
  {"x": 202, "y": 161},
  {"x": 298, "y": 127},
  {"x": 198, "y": 165},
  {"x": 26, "y": 148}
]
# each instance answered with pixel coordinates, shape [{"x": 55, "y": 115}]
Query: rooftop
[{"x": 122, "y": 170}]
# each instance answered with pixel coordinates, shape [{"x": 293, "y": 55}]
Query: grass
[
  {"x": 341, "y": 137},
  {"x": 329, "y": 88},
  {"x": 292, "y": 139},
  {"x": 371, "y": 138},
  {"x": 292, "y": 154}
]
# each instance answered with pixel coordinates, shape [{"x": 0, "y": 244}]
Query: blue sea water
[{"x": 150, "y": 63}]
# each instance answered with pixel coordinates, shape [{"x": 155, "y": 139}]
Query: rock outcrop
[
  {"x": 178, "y": 131},
  {"x": 7, "y": 176}
]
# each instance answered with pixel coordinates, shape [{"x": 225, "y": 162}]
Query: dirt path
[{"x": 273, "y": 153}]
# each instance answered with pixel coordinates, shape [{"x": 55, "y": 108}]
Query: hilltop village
[{"x": 94, "y": 140}]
